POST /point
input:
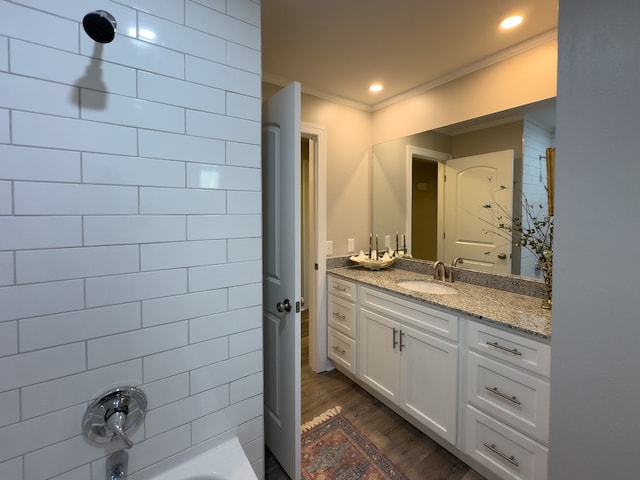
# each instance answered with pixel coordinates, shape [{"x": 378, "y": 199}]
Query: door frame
[
  {"x": 433, "y": 156},
  {"x": 318, "y": 356}
]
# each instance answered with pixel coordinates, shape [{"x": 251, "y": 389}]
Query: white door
[
  {"x": 281, "y": 276},
  {"x": 471, "y": 227}
]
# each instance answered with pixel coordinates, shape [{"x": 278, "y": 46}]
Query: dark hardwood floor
[{"x": 412, "y": 452}]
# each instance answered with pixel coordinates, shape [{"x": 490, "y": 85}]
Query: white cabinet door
[
  {"x": 429, "y": 373},
  {"x": 378, "y": 350},
  {"x": 415, "y": 370}
]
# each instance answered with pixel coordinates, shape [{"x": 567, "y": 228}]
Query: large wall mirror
[{"x": 434, "y": 187}]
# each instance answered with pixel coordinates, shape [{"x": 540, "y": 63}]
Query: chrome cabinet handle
[
  {"x": 401, "y": 344},
  {"x": 341, "y": 317},
  {"x": 395, "y": 342},
  {"x": 340, "y": 288},
  {"x": 495, "y": 390},
  {"x": 509, "y": 458},
  {"x": 339, "y": 350},
  {"x": 513, "y": 351}
]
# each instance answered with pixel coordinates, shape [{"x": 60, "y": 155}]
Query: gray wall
[{"x": 595, "y": 369}]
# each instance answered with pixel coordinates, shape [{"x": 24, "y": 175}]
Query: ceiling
[{"x": 337, "y": 48}]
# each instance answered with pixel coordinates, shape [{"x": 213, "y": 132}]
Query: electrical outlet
[
  {"x": 351, "y": 245},
  {"x": 329, "y": 246},
  {"x": 387, "y": 241}
]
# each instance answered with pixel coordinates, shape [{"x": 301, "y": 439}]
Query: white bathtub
[{"x": 222, "y": 459}]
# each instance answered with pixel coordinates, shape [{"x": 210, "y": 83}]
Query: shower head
[{"x": 100, "y": 26}]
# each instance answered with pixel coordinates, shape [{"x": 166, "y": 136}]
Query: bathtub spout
[{"x": 117, "y": 465}]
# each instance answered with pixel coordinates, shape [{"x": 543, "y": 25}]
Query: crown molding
[{"x": 473, "y": 67}]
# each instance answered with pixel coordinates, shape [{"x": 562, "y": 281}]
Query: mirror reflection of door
[
  {"x": 471, "y": 229},
  {"x": 424, "y": 211}
]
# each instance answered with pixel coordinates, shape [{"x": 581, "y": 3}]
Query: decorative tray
[{"x": 364, "y": 261}]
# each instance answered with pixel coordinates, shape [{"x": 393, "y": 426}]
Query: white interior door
[
  {"x": 281, "y": 276},
  {"x": 472, "y": 184}
]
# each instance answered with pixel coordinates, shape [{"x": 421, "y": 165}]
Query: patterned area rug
[{"x": 332, "y": 449}]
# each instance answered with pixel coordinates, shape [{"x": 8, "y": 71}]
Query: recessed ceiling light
[
  {"x": 511, "y": 22},
  {"x": 375, "y": 87}
]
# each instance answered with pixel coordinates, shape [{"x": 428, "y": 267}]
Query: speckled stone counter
[{"x": 504, "y": 309}]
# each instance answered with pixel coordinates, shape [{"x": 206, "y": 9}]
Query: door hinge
[
  {"x": 315, "y": 266},
  {"x": 444, "y": 235}
]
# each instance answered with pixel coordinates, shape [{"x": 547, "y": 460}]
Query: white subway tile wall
[
  {"x": 130, "y": 229},
  {"x": 6, "y": 200},
  {"x": 6, "y": 268},
  {"x": 4, "y": 125},
  {"x": 537, "y": 139},
  {"x": 4, "y": 53}
]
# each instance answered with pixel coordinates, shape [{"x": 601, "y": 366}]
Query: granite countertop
[{"x": 504, "y": 309}]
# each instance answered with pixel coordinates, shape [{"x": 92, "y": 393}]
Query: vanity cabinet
[
  {"x": 402, "y": 359},
  {"x": 507, "y": 402},
  {"x": 482, "y": 390},
  {"x": 342, "y": 323}
]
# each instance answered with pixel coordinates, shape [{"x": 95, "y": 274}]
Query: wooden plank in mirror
[{"x": 551, "y": 161}]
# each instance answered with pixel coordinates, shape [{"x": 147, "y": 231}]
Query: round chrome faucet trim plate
[{"x": 127, "y": 405}]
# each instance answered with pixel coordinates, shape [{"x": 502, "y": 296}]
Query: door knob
[
  {"x": 284, "y": 306},
  {"x": 502, "y": 256}
]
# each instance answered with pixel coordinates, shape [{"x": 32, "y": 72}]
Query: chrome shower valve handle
[
  {"x": 116, "y": 423},
  {"x": 115, "y": 416}
]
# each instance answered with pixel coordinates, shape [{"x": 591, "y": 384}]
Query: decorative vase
[{"x": 547, "y": 273}]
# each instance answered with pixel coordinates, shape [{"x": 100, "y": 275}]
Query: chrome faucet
[
  {"x": 117, "y": 465},
  {"x": 456, "y": 261},
  {"x": 439, "y": 271}
]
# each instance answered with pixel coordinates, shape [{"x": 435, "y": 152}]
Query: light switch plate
[
  {"x": 329, "y": 245},
  {"x": 351, "y": 245}
]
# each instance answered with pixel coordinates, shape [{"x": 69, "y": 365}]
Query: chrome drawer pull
[
  {"x": 340, "y": 288},
  {"x": 341, "y": 317},
  {"x": 495, "y": 390},
  {"x": 513, "y": 351},
  {"x": 339, "y": 350},
  {"x": 511, "y": 459}
]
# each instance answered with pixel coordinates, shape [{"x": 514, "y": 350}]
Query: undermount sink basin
[{"x": 427, "y": 287}]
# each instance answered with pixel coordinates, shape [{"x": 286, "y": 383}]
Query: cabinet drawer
[
  {"x": 515, "y": 397},
  {"x": 342, "y": 316},
  {"x": 503, "y": 450},
  {"x": 412, "y": 313},
  {"x": 508, "y": 347},
  {"x": 343, "y": 288},
  {"x": 342, "y": 350}
]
